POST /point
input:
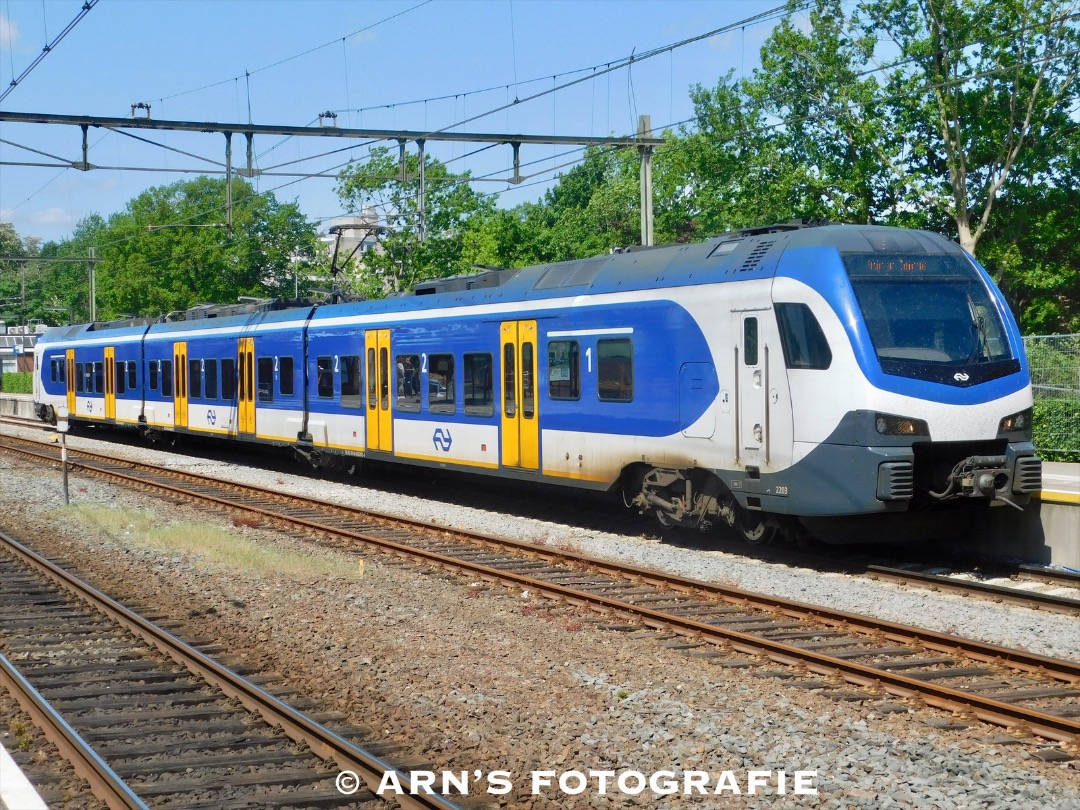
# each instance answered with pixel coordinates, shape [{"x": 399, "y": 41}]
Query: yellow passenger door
[
  {"x": 110, "y": 382},
  {"x": 380, "y": 414},
  {"x": 245, "y": 388},
  {"x": 180, "y": 381},
  {"x": 70, "y": 380},
  {"x": 520, "y": 419}
]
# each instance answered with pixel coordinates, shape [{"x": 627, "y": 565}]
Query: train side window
[
  {"x": 615, "y": 370},
  {"x": 166, "y": 378},
  {"x": 228, "y": 378},
  {"x": 132, "y": 375},
  {"x": 286, "y": 384},
  {"x": 195, "y": 379},
  {"x": 210, "y": 378},
  {"x": 324, "y": 375},
  {"x": 62, "y": 369},
  {"x": 80, "y": 378},
  {"x": 479, "y": 385},
  {"x": 53, "y": 370},
  {"x": 265, "y": 382},
  {"x": 408, "y": 382},
  {"x": 350, "y": 382},
  {"x": 99, "y": 377},
  {"x": 564, "y": 369},
  {"x": 750, "y": 342},
  {"x": 441, "y": 384},
  {"x": 803, "y": 341},
  {"x": 120, "y": 370},
  {"x": 152, "y": 373}
]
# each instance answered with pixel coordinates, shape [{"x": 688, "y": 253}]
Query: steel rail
[
  {"x": 102, "y": 780},
  {"x": 1032, "y": 599},
  {"x": 1046, "y": 725},
  {"x": 324, "y": 743}
]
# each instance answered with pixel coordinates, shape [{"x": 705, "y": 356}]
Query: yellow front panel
[
  {"x": 180, "y": 384},
  {"x": 110, "y": 382}
]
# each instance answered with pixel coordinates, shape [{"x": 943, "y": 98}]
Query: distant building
[
  {"x": 17, "y": 347},
  {"x": 358, "y": 236}
]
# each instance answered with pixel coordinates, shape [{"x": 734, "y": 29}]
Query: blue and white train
[{"x": 763, "y": 379}]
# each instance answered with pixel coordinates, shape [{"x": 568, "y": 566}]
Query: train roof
[{"x": 739, "y": 255}]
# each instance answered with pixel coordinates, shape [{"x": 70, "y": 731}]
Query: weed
[{"x": 622, "y": 694}]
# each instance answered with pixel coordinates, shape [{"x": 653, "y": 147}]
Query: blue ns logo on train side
[{"x": 442, "y": 439}]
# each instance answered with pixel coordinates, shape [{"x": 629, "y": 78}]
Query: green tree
[
  {"x": 169, "y": 249},
  {"x": 413, "y": 245},
  {"x": 982, "y": 91}
]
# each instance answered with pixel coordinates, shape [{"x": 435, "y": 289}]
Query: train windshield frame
[{"x": 931, "y": 317}]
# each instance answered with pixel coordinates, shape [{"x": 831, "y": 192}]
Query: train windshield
[{"x": 930, "y": 317}]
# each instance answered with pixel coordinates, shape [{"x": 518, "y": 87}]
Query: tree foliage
[{"x": 414, "y": 243}]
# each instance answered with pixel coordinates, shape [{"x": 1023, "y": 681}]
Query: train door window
[
  {"x": 615, "y": 370},
  {"x": 166, "y": 379},
  {"x": 350, "y": 382},
  {"x": 324, "y": 369},
  {"x": 750, "y": 342},
  {"x": 99, "y": 377},
  {"x": 509, "y": 380},
  {"x": 564, "y": 369},
  {"x": 195, "y": 379},
  {"x": 228, "y": 378},
  {"x": 408, "y": 382},
  {"x": 265, "y": 382},
  {"x": 479, "y": 385},
  {"x": 152, "y": 373},
  {"x": 80, "y": 378},
  {"x": 210, "y": 378},
  {"x": 372, "y": 388},
  {"x": 384, "y": 378},
  {"x": 132, "y": 375},
  {"x": 441, "y": 383},
  {"x": 120, "y": 370},
  {"x": 528, "y": 384},
  {"x": 286, "y": 378},
  {"x": 803, "y": 341}
]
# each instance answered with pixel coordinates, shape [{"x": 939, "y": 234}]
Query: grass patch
[{"x": 213, "y": 544}]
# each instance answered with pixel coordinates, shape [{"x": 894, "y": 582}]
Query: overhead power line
[{"x": 89, "y": 4}]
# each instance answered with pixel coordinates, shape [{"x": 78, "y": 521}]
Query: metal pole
[
  {"x": 93, "y": 287},
  {"x": 62, "y": 429},
  {"x": 420, "y": 202},
  {"x": 645, "y": 131},
  {"x": 228, "y": 182}
]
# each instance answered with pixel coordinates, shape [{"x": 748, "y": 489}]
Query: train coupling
[{"x": 992, "y": 477}]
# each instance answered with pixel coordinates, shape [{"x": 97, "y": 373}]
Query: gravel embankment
[{"x": 470, "y": 677}]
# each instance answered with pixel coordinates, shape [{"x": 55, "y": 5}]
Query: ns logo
[
  {"x": 442, "y": 439},
  {"x": 961, "y": 376}
]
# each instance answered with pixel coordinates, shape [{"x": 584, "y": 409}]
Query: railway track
[
  {"x": 845, "y": 655},
  {"x": 149, "y": 721}
]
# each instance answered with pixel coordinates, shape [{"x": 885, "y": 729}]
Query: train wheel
[
  {"x": 665, "y": 519},
  {"x": 755, "y": 532}
]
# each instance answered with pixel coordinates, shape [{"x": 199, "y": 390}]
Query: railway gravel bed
[{"x": 488, "y": 679}]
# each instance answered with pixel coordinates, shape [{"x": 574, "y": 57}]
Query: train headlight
[
  {"x": 888, "y": 425},
  {"x": 1017, "y": 423}
]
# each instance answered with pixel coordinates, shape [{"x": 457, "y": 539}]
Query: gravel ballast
[{"x": 479, "y": 678}]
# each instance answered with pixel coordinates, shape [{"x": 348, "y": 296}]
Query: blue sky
[{"x": 287, "y": 61}]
